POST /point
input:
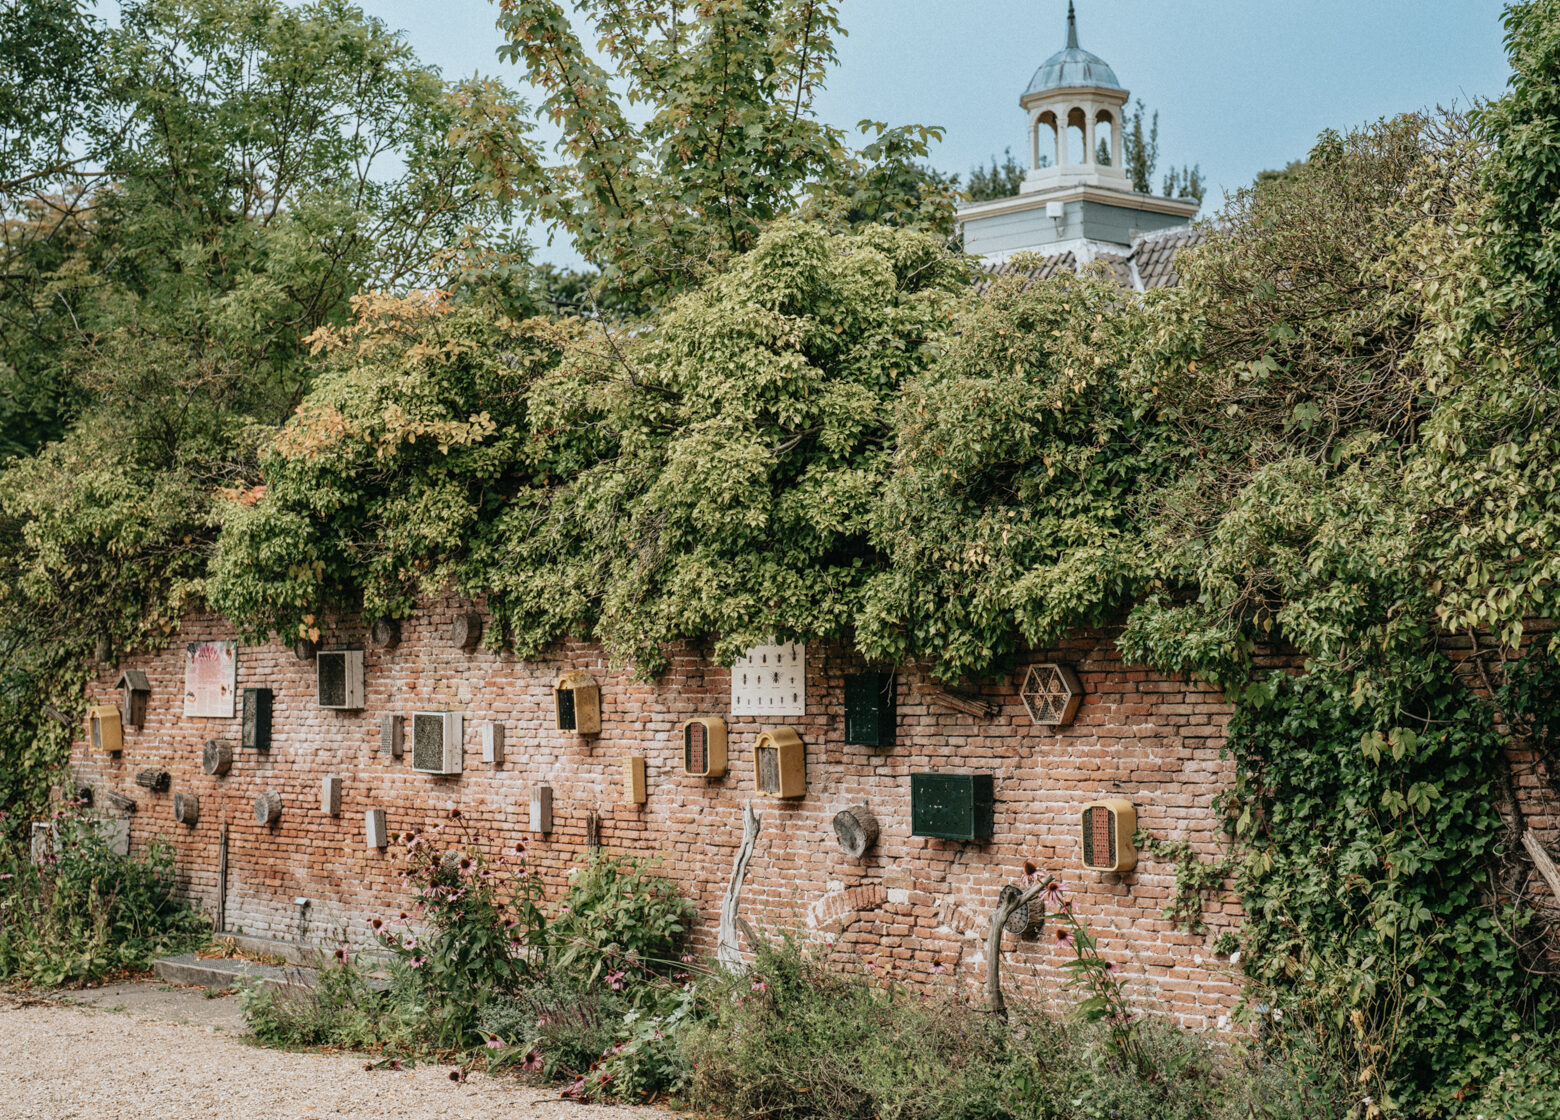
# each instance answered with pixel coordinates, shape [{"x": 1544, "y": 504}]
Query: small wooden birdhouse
[
  {"x": 339, "y": 679},
  {"x": 256, "y": 728},
  {"x": 780, "y": 763},
  {"x": 541, "y": 809},
  {"x": 386, "y": 633},
  {"x": 704, "y": 747},
  {"x": 577, "y": 703},
  {"x": 1051, "y": 694},
  {"x": 104, "y": 729},
  {"x": 869, "y": 709},
  {"x": 134, "y": 691},
  {"x": 952, "y": 806},
  {"x": 634, "y": 779},
  {"x": 1108, "y": 826}
]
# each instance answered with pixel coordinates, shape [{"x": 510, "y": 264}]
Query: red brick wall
[{"x": 916, "y": 908}]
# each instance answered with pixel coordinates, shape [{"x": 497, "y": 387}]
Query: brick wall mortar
[{"x": 914, "y": 905}]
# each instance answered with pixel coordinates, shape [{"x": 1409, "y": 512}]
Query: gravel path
[{"x": 145, "y": 1051}]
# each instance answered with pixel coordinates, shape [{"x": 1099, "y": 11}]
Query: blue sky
[{"x": 1240, "y": 85}]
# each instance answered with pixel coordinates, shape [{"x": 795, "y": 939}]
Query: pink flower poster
[{"x": 210, "y": 678}]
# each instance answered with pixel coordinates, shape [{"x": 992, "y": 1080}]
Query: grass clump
[{"x": 81, "y": 911}]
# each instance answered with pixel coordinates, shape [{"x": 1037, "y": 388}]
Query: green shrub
[
  {"x": 618, "y": 917},
  {"x": 86, "y": 911},
  {"x": 475, "y": 932}
]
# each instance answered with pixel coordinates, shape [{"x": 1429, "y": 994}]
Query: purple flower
[
  {"x": 939, "y": 968},
  {"x": 615, "y": 979},
  {"x": 1064, "y": 937},
  {"x": 418, "y": 962},
  {"x": 1053, "y": 894},
  {"x": 760, "y": 986},
  {"x": 533, "y": 1061},
  {"x": 494, "y": 1042}
]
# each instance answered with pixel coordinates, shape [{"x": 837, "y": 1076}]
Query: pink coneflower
[
  {"x": 687, "y": 958},
  {"x": 615, "y": 979},
  {"x": 395, "y": 1063},
  {"x": 409, "y": 943},
  {"x": 465, "y": 864},
  {"x": 1053, "y": 894},
  {"x": 533, "y": 1061},
  {"x": 1064, "y": 937},
  {"x": 519, "y": 847},
  {"x": 418, "y": 962},
  {"x": 377, "y": 923},
  {"x": 454, "y": 814},
  {"x": 494, "y": 1042},
  {"x": 1111, "y": 968},
  {"x": 515, "y": 946},
  {"x": 341, "y": 955},
  {"x": 939, "y": 968},
  {"x": 760, "y": 986},
  {"x": 405, "y": 917}
]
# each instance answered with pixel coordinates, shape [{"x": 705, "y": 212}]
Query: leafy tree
[
  {"x": 1000, "y": 180},
  {"x": 1140, "y": 148},
  {"x": 267, "y": 162},
  {"x": 727, "y": 143},
  {"x": 716, "y": 476},
  {"x": 1184, "y": 182}
]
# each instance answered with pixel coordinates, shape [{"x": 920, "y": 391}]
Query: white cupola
[
  {"x": 1076, "y": 198},
  {"x": 1075, "y": 105}
]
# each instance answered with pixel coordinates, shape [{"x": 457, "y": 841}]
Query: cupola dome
[{"x": 1072, "y": 66}]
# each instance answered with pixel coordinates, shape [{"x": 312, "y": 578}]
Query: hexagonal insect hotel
[{"x": 1051, "y": 694}]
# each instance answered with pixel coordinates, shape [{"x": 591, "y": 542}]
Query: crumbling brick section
[{"x": 915, "y": 908}]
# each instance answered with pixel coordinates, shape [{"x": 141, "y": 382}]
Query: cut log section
[
  {"x": 155, "y": 780},
  {"x": 268, "y": 807},
  {"x": 466, "y": 630},
  {"x": 386, "y": 633},
  {"x": 857, "y": 830},
  {"x": 216, "y": 757},
  {"x": 186, "y": 808},
  {"x": 1026, "y": 917}
]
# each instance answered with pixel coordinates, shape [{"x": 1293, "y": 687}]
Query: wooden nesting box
[
  {"x": 268, "y": 807},
  {"x": 186, "y": 808},
  {"x": 869, "y": 709},
  {"x": 952, "y": 806},
  {"x": 577, "y": 703},
  {"x": 256, "y": 726},
  {"x": 780, "y": 763},
  {"x": 305, "y": 650},
  {"x": 134, "y": 691},
  {"x": 634, "y": 779},
  {"x": 438, "y": 742},
  {"x": 375, "y": 834},
  {"x": 541, "y": 809},
  {"x": 856, "y": 829},
  {"x": 339, "y": 680},
  {"x": 1051, "y": 694},
  {"x": 1108, "y": 826},
  {"x": 104, "y": 729},
  {"x": 704, "y": 747},
  {"x": 216, "y": 758},
  {"x": 493, "y": 743},
  {"x": 330, "y": 795},
  {"x": 391, "y": 736}
]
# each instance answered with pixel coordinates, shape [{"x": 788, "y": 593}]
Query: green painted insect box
[
  {"x": 869, "y": 709},
  {"x": 952, "y": 806}
]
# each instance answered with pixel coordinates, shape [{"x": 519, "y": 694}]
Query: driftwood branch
[
  {"x": 1007, "y": 902},
  {"x": 726, "y": 951},
  {"x": 1541, "y": 861}
]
